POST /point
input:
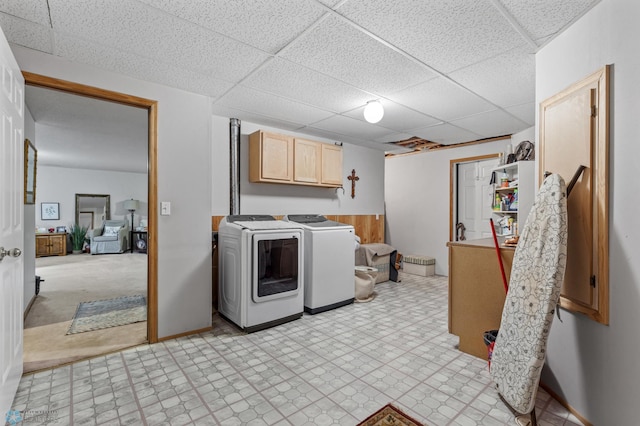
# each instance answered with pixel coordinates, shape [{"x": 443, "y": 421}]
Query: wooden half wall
[{"x": 370, "y": 228}]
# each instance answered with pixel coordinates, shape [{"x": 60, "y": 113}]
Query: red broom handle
[{"x": 495, "y": 242}]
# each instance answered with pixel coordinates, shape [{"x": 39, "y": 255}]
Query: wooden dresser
[
  {"x": 476, "y": 291},
  {"x": 51, "y": 244}
]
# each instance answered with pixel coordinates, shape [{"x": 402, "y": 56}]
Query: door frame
[
  {"x": 151, "y": 106},
  {"x": 453, "y": 193}
]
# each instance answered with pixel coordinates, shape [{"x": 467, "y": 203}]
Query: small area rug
[
  {"x": 101, "y": 314},
  {"x": 389, "y": 416}
]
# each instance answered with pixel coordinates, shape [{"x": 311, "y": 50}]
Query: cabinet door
[
  {"x": 276, "y": 157},
  {"x": 331, "y": 164},
  {"x": 306, "y": 161},
  {"x": 573, "y": 133},
  {"x": 42, "y": 245},
  {"x": 57, "y": 244}
]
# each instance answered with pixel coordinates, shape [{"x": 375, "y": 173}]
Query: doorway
[
  {"x": 151, "y": 113},
  {"x": 470, "y": 191}
]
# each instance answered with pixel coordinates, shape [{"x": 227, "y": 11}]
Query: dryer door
[{"x": 276, "y": 260}]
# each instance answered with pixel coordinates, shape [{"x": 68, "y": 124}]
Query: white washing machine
[
  {"x": 261, "y": 271},
  {"x": 329, "y": 261}
]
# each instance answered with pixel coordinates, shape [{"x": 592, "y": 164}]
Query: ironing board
[{"x": 534, "y": 290}]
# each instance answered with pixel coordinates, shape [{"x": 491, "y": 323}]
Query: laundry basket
[{"x": 365, "y": 280}]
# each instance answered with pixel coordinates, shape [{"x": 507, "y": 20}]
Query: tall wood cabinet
[
  {"x": 51, "y": 244},
  {"x": 275, "y": 158}
]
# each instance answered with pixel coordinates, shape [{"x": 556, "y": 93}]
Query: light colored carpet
[{"x": 70, "y": 280}]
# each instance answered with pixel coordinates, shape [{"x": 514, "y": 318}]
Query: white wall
[
  {"x": 417, "y": 199},
  {"x": 278, "y": 199},
  {"x": 184, "y": 179},
  {"x": 28, "y": 222},
  {"x": 595, "y": 367},
  {"x": 60, "y": 185}
]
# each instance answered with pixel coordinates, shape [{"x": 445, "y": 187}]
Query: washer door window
[{"x": 275, "y": 266}]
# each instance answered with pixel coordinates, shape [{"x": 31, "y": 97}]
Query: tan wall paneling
[{"x": 370, "y": 228}]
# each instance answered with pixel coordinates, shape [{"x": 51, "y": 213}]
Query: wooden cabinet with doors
[
  {"x": 331, "y": 165},
  {"x": 307, "y": 156},
  {"x": 574, "y": 132},
  {"x": 275, "y": 158},
  {"x": 270, "y": 158},
  {"x": 51, "y": 244}
]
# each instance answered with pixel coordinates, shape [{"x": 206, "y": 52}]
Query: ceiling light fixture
[{"x": 373, "y": 111}]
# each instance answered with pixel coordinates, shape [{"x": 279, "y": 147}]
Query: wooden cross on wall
[{"x": 353, "y": 178}]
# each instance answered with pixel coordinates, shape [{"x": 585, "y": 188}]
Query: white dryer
[
  {"x": 261, "y": 271},
  {"x": 329, "y": 262}
]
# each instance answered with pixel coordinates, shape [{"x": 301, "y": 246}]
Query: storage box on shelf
[{"x": 513, "y": 192}]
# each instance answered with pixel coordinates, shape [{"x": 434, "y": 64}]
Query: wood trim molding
[
  {"x": 565, "y": 404},
  {"x": 186, "y": 333},
  {"x": 452, "y": 164},
  {"x": 38, "y": 80}
]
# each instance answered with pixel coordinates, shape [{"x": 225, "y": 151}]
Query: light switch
[{"x": 165, "y": 208}]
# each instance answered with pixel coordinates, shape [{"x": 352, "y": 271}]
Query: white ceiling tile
[
  {"x": 337, "y": 49},
  {"x": 330, "y": 3},
  {"x": 26, "y": 33},
  {"x": 348, "y": 126},
  {"x": 313, "y": 131},
  {"x": 254, "y": 101},
  {"x": 491, "y": 124},
  {"x": 150, "y": 33},
  {"x": 302, "y": 60},
  {"x": 267, "y": 25},
  {"x": 142, "y": 68},
  {"x": 31, "y": 10},
  {"x": 445, "y": 34},
  {"x": 442, "y": 99},
  {"x": 396, "y": 117},
  {"x": 446, "y": 134},
  {"x": 542, "y": 18},
  {"x": 505, "y": 80},
  {"x": 525, "y": 112},
  {"x": 305, "y": 85},
  {"x": 224, "y": 111}
]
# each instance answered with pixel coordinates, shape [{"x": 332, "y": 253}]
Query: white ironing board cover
[{"x": 534, "y": 290}]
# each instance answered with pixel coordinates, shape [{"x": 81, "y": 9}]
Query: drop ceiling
[{"x": 447, "y": 71}]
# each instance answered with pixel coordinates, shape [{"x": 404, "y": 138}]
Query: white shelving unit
[{"x": 520, "y": 177}]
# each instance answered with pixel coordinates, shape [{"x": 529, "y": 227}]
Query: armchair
[{"x": 111, "y": 237}]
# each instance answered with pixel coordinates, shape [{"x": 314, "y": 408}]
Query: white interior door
[
  {"x": 474, "y": 198},
  {"x": 11, "y": 229}
]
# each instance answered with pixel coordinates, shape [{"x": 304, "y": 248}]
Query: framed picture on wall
[{"x": 50, "y": 211}]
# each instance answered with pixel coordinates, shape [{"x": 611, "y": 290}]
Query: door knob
[{"x": 14, "y": 252}]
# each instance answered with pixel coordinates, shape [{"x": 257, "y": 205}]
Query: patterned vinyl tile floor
[{"x": 337, "y": 367}]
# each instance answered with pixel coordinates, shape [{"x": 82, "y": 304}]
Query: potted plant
[{"x": 77, "y": 234}]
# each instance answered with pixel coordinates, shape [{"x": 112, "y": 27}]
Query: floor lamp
[{"x": 131, "y": 205}]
